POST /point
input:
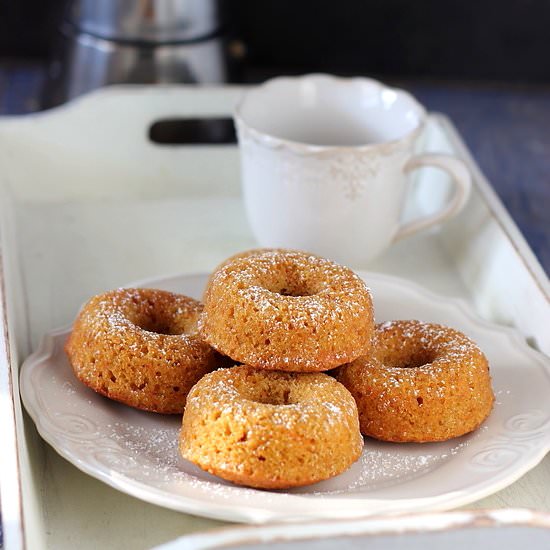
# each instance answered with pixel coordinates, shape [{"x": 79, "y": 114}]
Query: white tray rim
[
  {"x": 422, "y": 522},
  {"x": 11, "y": 499},
  {"x": 499, "y": 212}
]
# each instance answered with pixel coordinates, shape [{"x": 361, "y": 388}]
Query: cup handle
[{"x": 462, "y": 181}]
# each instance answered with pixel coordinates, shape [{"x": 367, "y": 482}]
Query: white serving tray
[{"x": 89, "y": 203}]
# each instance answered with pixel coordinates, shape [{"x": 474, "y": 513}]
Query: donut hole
[
  {"x": 402, "y": 351},
  {"x": 157, "y": 327},
  {"x": 294, "y": 293},
  {"x": 161, "y": 312},
  {"x": 407, "y": 360},
  {"x": 166, "y": 322},
  {"x": 267, "y": 392},
  {"x": 291, "y": 288},
  {"x": 272, "y": 396},
  {"x": 288, "y": 281}
]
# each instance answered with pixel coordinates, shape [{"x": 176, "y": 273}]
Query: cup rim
[{"x": 300, "y": 147}]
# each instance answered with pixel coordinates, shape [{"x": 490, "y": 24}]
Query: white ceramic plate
[{"x": 136, "y": 452}]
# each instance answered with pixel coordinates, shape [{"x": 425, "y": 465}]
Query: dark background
[{"x": 506, "y": 40}]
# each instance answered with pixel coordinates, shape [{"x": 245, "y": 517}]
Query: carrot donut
[
  {"x": 270, "y": 429},
  {"x": 287, "y": 310},
  {"x": 140, "y": 347},
  {"x": 423, "y": 382}
]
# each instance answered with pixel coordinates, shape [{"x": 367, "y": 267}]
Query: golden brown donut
[
  {"x": 140, "y": 347},
  {"x": 287, "y": 310},
  {"x": 270, "y": 429},
  {"x": 424, "y": 382}
]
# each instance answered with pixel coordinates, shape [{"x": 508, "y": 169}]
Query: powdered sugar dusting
[
  {"x": 158, "y": 446},
  {"x": 383, "y": 465}
]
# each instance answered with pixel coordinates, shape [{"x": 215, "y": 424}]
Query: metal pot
[
  {"x": 153, "y": 21},
  {"x": 104, "y": 42}
]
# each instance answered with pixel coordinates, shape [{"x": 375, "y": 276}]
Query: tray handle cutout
[{"x": 193, "y": 131}]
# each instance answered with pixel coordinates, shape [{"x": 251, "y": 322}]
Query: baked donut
[
  {"x": 140, "y": 347},
  {"x": 424, "y": 382},
  {"x": 270, "y": 429},
  {"x": 287, "y": 310}
]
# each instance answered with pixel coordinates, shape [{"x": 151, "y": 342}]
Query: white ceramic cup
[{"x": 325, "y": 164}]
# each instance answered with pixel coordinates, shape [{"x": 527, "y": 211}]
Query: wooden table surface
[{"x": 507, "y": 128}]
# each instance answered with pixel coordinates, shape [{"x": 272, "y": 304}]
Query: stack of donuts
[{"x": 282, "y": 370}]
